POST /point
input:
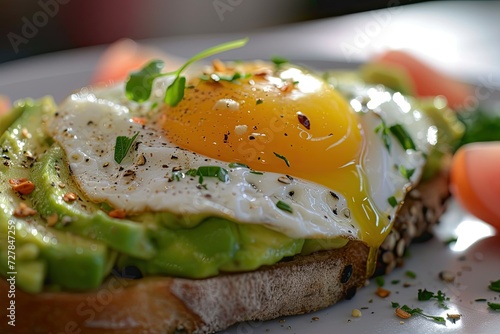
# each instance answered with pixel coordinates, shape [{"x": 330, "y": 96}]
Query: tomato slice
[
  {"x": 427, "y": 80},
  {"x": 4, "y": 104},
  {"x": 125, "y": 56},
  {"x": 475, "y": 180}
]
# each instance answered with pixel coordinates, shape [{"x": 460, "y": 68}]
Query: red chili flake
[
  {"x": 139, "y": 120},
  {"x": 304, "y": 121}
]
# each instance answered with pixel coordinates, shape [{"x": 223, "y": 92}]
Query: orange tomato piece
[
  {"x": 427, "y": 80},
  {"x": 475, "y": 180},
  {"x": 4, "y": 104},
  {"x": 125, "y": 56}
]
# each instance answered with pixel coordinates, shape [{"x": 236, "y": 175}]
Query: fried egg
[{"x": 283, "y": 148}]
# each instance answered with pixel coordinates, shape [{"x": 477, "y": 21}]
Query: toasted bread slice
[{"x": 173, "y": 305}]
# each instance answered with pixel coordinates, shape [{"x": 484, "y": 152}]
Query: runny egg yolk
[{"x": 281, "y": 120}]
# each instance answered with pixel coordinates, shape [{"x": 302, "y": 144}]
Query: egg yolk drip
[{"x": 281, "y": 120}]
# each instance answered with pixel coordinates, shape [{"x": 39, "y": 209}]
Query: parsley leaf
[
  {"x": 384, "y": 131},
  {"x": 392, "y": 201},
  {"x": 495, "y": 286},
  {"x": 406, "y": 173},
  {"x": 380, "y": 281},
  {"x": 410, "y": 274},
  {"x": 122, "y": 146},
  {"x": 494, "y": 306},
  {"x": 419, "y": 311},
  {"x": 139, "y": 85},
  {"x": 402, "y": 136},
  {"x": 428, "y": 295},
  {"x": 209, "y": 171},
  {"x": 284, "y": 206}
]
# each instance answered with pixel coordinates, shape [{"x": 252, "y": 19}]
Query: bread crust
[{"x": 175, "y": 305}]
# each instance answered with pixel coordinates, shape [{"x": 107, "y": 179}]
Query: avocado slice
[
  {"x": 58, "y": 258},
  {"x": 53, "y": 181}
]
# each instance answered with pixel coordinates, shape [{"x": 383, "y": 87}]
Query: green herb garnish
[
  {"x": 122, "y": 146},
  {"x": 284, "y": 206},
  {"x": 256, "y": 173},
  {"x": 495, "y": 286},
  {"x": 380, "y": 281},
  {"x": 209, "y": 171},
  {"x": 410, "y": 274},
  {"x": 392, "y": 201},
  {"x": 279, "y": 61},
  {"x": 481, "y": 300},
  {"x": 494, "y": 306},
  {"x": 419, "y": 311},
  {"x": 440, "y": 297},
  {"x": 406, "y": 173},
  {"x": 450, "y": 241},
  {"x": 139, "y": 85},
  {"x": 384, "y": 131},
  {"x": 259, "y": 101},
  {"x": 282, "y": 158},
  {"x": 402, "y": 136},
  {"x": 395, "y": 281}
]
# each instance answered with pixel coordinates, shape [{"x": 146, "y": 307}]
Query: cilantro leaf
[{"x": 122, "y": 146}]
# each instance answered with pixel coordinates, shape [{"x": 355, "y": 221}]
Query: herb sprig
[
  {"x": 122, "y": 146},
  {"x": 440, "y": 297},
  {"x": 419, "y": 311},
  {"x": 140, "y": 84}
]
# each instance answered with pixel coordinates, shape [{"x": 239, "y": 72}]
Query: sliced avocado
[
  {"x": 8, "y": 118},
  {"x": 196, "y": 253},
  {"x": 261, "y": 246},
  {"x": 449, "y": 132},
  {"x": 396, "y": 78},
  {"x": 53, "y": 181},
  {"x": 215, "y": 245},
  {"x": 68, "y": 261}
]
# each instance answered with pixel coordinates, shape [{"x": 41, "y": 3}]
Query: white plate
[{"x": 474, "y": 258}]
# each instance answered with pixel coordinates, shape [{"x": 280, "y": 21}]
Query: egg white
[{"x": 88, "y": 123}]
